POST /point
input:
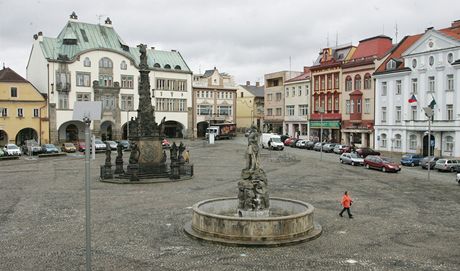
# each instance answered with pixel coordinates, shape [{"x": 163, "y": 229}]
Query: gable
[{"x": 431, "y": 41}]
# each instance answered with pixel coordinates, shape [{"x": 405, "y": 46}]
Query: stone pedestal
[
  {"x": 119, "y": 166},
  {"x": 151, "y": 154},
  {"x": 175, "y": 170},
  {"x": 106, "y": 171},
  {"x": 133, "y": 170}
]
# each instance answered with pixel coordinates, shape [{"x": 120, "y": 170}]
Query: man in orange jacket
[{"x": 346, "y": 203}]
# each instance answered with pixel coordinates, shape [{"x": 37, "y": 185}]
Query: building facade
[
  {"x": 274, "y": 100},
  {"x": 422, "y": 72},
  {"x": 23, "y": 110},
  {"x": 250, "y": 106},
  {"x": 90, "y": 62},
  {"x": 326, "y": 97},
  {"x": 214, "y": 100},
  {"x": 297, "y": 105},
  {"x": 358, "y": 90}
]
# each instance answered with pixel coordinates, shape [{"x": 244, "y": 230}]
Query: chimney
[
  {"x": 173, "y": 50},
  {"x": 73, "y": 16},
  {"x": 39, "y": 36},
  {"x": 153, "y": 48},
  {"x": 248, "y": 83},
  {"x": 257, "y": 84},
  {"x": 456, "y": 23},
  {"x": 429, "y": 28},
  {"x": 108, "y": 22},
  {"x": 306, "y": 69}
]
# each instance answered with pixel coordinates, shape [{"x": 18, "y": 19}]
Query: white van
[{"x": 271, "y": 141}]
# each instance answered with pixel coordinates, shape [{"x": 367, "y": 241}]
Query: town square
[{"x": 246, "y": 135}]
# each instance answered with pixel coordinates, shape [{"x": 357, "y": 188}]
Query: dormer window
[
  {"x": 177, "y": 67},
  {"x": 167, "y": 66},
  {"x": 123, "y": 65},
  {"x": 391, "y": 65},
  {"x": 156, "y": 65}
]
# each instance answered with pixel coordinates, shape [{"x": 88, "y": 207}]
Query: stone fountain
[
  {"x": 148, "y": 160},
  {"x": 253, "y": 219}
]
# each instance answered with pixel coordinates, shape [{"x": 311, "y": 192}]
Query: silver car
[
  {"x": 11, "y": 150},
  {"x": 351, "y": 158},
  {"x": 447, "y": 165},
  {"x": 329, "y": 147}
]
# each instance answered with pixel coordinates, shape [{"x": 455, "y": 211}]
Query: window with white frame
[
  {"x": 391, "y": 65},
  {"x": 123, "y": 65},
  {"x": 352, "y": 106},
  {"x": 336, "y": 101},
  {"x": 293, "y": 91},
  {"x": 383, "y": 140},
  {"x": 384, "y": 114},
  {"x": 384, "y": 88},
  {"x": 83, "y": 79},
  {"x": 449, "y": 143},
  {"x": 450, "y": 58},
  {"x": 329, "y": 104},
  {"x": 278, "y": 111},
  {"x": 329, "y": 81},
  {"x": 300, "y": 90},
  {"x": 127, "y": 102},
  {"x": 160, "y": 104},
  {"x": 182, "y": 104},
  {"x": 105, "y": 63},
  {"x": 357, "y": 82},
  {"x": 127, "y": 81},
  {"x": 367, "y": 106},
  {"x": 160, "y": 84},
  {"x": 108, "y": 102},
  {"x": 105, "y": 80},
  {"x": 431, "y": 84},
  {"x": 63, "y": 100},
  {"x": 278, "y": 96},
  {"x": 36, "y": 113},
  {"x": 398, "y": 113},
  {"x": 398, "y": 87},
  {"x": 450, "y": 82},
  {"x": 347, "y": 106},
  {"x": 4, "y": 112},
  {"x": 290, "y": 110},
  {"x": 412, "y": 142},
  {"x": 367, "y": 81},
  {"x": 414, "y": 85},
  {"x": 270, "y": 112},
  {"x": 171, "y": 105},
  {"x": 83, "y": 97},
  {"x": 413, "y": 112},
  {"x": 204, "y": 109},
  {"x": 20, "y": 112},
  {"x": 303, "y": 109},
  {"x": 307, "y": 89},
  {"x": 431, "y": 60},
  {"x": 224, "y": 110},
  {"x": 348, "y": 83},
  {"x": 450, "y": 111},
  {"x": 287, "y": 92},
  {"x": 397, "y": 141}
]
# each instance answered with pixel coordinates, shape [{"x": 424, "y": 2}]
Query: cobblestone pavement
[{"x": 402, "y": 221}]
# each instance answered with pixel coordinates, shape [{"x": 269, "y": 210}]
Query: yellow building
[
  {"x": 23, "y": 110},
  {"x": 249, "y": 106}
]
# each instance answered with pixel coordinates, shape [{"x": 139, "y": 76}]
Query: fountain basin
[{"x": 217, "y": 220}]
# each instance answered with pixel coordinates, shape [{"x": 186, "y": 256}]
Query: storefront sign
[{"x": 326, "y": 124}]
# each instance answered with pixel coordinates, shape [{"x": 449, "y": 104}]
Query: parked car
[
  {"x": 125, "y": 143},
  {"x": 310, "y": 145},
  {"x": 364, "y": 152},
  {"x": 31, "y": 147},
  {"x": 384, "y": 164},
  {"x": 318, "y": 145},
  {"x": 293, "y": 142},
  {"x": 351, "y": 158},
  {"x": 428, "y": 161},
  {"x": 80, "y": 145},
  {"x": 49, "y": 148},
  {"x": 2, "y": 153},
  {"x": 458, "y": 178},
  {"x": 165, "y": 144},
  {"x": 99, "y": 145},
  {"x": 411, "y": 159},
  {"x": 68, "y": 147},
  {"x": 339, "y": 149},
  {"x": 301, "y": 144},
  {"x": 284, "y": 137},
  {"x": 447, "y": 165},
  {"x": 112, "y": 144},
  {"x": 287, "y": 141},
  {"x": 329, "y": 147},
  {"x": 12, "y": 150}
]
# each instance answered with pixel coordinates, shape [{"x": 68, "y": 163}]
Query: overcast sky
[{"x": 245, "y": 38}]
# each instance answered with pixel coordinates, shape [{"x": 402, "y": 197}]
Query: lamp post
[
  {"x": 127, "y": 124},
  {"x": 429, "y": 113},
  {"x": 321, "y": 112}
]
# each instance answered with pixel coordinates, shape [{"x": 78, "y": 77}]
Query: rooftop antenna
[
  {"x": 290, "y": 70},
  {"x": 336, "y": 39},
  {"x": 396, "y": 32},
  {"x": 3, "y": 65},
  {"x": 99, "y": 17},
  {"x": 327, "y": 40}
]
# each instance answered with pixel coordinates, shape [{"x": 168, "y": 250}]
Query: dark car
[
  {"x": 429, "y": 161},
  {"x": 364, "y": 152},
  {"x": 284, "y": 137},
  {"x": 49, "y": 148},
  {"x": 411, "y": 159},
  {"x": 384, "y": 164},
  {"x": 126, "y": 145},
  {"x": 310, "y": 145}
]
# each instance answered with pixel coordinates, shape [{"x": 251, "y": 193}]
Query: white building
[
  {"x": 428, "y": 67},
  {"x": 297, "y": 105},
  {"x": 214, "y": 98},
  {"x": 90, "y": 62}
]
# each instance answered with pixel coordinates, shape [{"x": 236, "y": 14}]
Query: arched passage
[
  {"x": 3, "y": 138},
  {"x": 106, "y": 130},
  {"x": 173, "y": 129},
  {"x": 26, "y": 134},
  {"x": 201, "y": 128},
  {"x": 71, "y": 131},
  {"x": 425, "y": 145}
]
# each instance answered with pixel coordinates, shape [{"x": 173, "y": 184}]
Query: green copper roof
[{"x": 77, "y": 38}]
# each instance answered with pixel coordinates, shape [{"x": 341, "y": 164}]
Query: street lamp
[
  {"x": 429, "y": 113},
  {"x": 321, "y": 112},
  {"x": 127, "y": 124}
]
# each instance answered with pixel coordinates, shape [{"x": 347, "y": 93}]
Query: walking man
[{"x": 346, "y": 203}]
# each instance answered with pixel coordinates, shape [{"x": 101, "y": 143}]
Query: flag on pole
[
  {"x": 432, "y": 104},
  {"x": 412, "y": 99}
]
